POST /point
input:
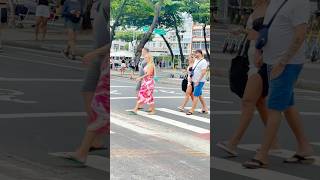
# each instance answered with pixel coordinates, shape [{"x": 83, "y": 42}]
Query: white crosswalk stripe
[
  {"x": 283, "y": 153},
  {"x": 198, "y": 118},
  {"x": 93, "y": 161},
  {"x": 176, "y": 123},
  {"x": 228, "y": 165}
]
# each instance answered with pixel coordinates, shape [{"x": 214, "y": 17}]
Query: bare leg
[
  {"x": 194, "y": 104},
  {"x": 203, "y": 103},
  {"x": 294, "y": 120},
  {"x": 37, "y": 28},
  {"x": 187, "y": 96},
  {"x": 87, "y": 141},
  {"x": 269, "y": 135},
  {"x": 44, "y": 27},
  {"x": 251, "y": 95},
  {"x": 263, "y": 112}
]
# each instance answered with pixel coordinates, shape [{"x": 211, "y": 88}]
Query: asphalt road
[
  {"x": 41, "y": 112},
  {"x": 226, "y": 117},
  {"x": 165, "y": 146}
]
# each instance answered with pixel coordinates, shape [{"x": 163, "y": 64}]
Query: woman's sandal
[
  {"x": 299, "y": 159},
  {"x": 73, "y": 158},
  {"x": 132, "y": 112},
  {"x": 92, "y": 148},
  {"x": 151, "y": 112},
  {"x": 254, "y": 164},
  {"x": 189, "y": 113},
  {"x": 223, "y": 146},
  {"x": 204, "y": 112},
  {"x": 181, "y": 109}
]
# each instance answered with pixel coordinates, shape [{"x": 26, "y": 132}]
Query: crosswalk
[
  {"x": 235, "y": 167},
  {"x": 174, "y": 118}
]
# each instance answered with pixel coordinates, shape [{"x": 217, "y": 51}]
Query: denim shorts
[
  {"x": 198, "y": 89},
  {"x": 281, "y": 94}
]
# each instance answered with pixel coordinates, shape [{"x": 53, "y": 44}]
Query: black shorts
[{"x": 263, "y": 72}]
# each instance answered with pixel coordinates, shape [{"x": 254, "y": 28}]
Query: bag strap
[
  {"x": 242, "y": 44},
  {"x": 276, "y": 13},
  {"x": 196, "y": 65}
]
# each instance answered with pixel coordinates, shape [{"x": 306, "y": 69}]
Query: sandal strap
[{"x": 257, "y": 161}]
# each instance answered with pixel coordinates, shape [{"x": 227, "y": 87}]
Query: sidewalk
[
  {"x": 164, "y": 77},
  {"x": 55, "y": 41}
]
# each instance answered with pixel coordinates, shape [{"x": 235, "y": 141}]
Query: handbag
[
  {"x": 238, "y": 72},
  {"x": 264, "y": 31},
  {"x": 184, "y": 83}
]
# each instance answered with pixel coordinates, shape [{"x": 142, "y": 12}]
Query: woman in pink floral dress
[{"x": 145, "y": 94}]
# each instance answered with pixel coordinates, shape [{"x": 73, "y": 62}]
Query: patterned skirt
[
  {"x": 145, "y": 95},
  {"x": 99, "y": 121}
]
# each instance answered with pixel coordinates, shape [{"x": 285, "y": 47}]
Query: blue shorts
[
  {"x": 281, "y": 95},
  {"x": 198, "y": 89}
]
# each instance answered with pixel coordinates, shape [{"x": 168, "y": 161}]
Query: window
[{"x": 197, "y": 32}]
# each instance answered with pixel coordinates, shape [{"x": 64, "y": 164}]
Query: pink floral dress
[
  {"x": 145, "y": 95},
  {"x": 99, "y": 121}
]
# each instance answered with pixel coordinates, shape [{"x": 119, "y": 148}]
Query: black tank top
[
  {"x": 257, "y": 24},
  {"x": 43, "y": 2}
]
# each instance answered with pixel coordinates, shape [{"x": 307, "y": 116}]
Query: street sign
[{"x": 158, "y": 31}]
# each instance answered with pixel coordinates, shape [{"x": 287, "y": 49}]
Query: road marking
[
  {"x": 93, "y": 161},
  {"x": 261, "y": 174},
  {"x": 206, "y": 120},
  {"x": 316, "y": 143},
  {"x": 137, "y": 129},
  {"x": 111, "y": 132},
  {"x": 239, "y": 113},
  {"x": 36, "y": 115},
  {"x": 46, "y": 63},
  {"x": 161, "y": 97},
  {"x": 174, "y": 123},
  {"x": 39, "y": 80},
  {"x": 198, "y": 110},
  {"x": 10, "y": 95},
  {"x": 282, "y": 154}
]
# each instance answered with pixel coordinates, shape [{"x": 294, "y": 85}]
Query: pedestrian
[
  {"x": 42, "y": 15},
  {"x": 145, "y": 94},
  {"x": 198, "y": 73},
  {"x": 72, "y": 13},
  {"x": 189, "y": 85},
  {"x": 94, "y": 60},
  {"x": 3, "y": 19},
  {"x": 123, "y": 67},
  {"x": 132, "y": 68},
  {"x": 284, "y": 54},
  {"x": 142, "y": 64},
  {"x": 99, "y": 118},
  {"x": 256, "y": 90}
]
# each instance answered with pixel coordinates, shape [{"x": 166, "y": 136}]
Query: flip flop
[
  {"x": 97, "y": 148},
  {"x": 151, "y": 113},
  {"x": 132, "y": 112},
  {"x": 223, "y": 146},
  {"x": 254, "y": 164},
  {"x": 299, "y": 159},
  {"x": 204, "y": 112},
  {"x": 71, "y": 157},
  {"x": 181, "y": 109},
  {"x": 189, "y": 113}
]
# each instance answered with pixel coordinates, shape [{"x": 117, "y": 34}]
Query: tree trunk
[
  {"x": 169, "y": 47},
  {"x": 117, "y": 19},
  {"x": 12, "y": 16},
  {"x": 148, "y": 34},
  {"x": 205, "y": 41},
  {"x": 179, "y": 42}
]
